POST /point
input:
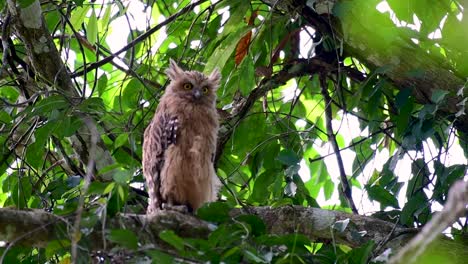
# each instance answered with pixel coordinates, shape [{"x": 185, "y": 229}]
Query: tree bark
[{"x": 37, "y": 228}]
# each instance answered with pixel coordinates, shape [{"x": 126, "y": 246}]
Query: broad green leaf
[
  {"x": 47, "y": 105},
  {"x": 123, "y": 237},
  {"x": 122, "y": 176},
  {"x": 328, "y": 189},
  {"x": 225, "y": 50},
  {"x": 246, "y": 75},
  {"x": 55, "y": 246},
  {"x": 160, "y": 257},
  {"x": 172, "y": 239},
  {"x": 413, "y": 208},
  {"x": 100, "y": 187},
  {"x": 92, "y": 28},
  {"x": 288, "y": 157},
  {"x": 121, "y": 140},
  {"x": 217, "y": 212},
  {"x": 361, "y": 255},
  {"x": 261, "y": 192},
  {"x": 104, "y": 21},
  {"x": 21, "y": 193},
  {"x": 381, "y": 195},
  {"x": 78, "y": 16},
  {"x": 258, "y": 227}
]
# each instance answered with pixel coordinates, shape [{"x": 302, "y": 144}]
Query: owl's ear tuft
[
  {"x": 174, "y": 71},
  {"x": 215, "y": 77}
]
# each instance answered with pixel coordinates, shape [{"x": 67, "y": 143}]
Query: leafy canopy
[{"x": 277, "y": 144}]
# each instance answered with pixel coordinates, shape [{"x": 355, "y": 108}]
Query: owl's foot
[{"x": 185, "y": 209}]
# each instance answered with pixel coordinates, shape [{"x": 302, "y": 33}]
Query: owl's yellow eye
[
  {"x": 205, "y": 90},
  {"x": 187, "y": 86}
]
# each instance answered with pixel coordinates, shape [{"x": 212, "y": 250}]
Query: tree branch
[
  {"x": 140, "y": 38},
  {"x": 28, "y": 23},
  {"x": 402, "y": 61},
  {"x": 345, "y": 187},
  {"x": 37, "y": 228}
]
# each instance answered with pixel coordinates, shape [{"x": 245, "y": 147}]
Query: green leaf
[
  {"x": 224, "y": 51},
  {"x": 172, "y": 239},
  {"x": 261, "y": 191},
  {"x": 121, "y": 140},
  {"x": 361, "y": 255},
  {"x": 402, "y": 97},
  {"x": 100, "y": 187},
  {"x": 9, "y": 93},
  {"x": 257, "y": 225},
  {"x": 78, "y": 2},
  {"x": 381, "y": 195},
  {"x": 413, "y": 208},
  {"x": 160, "y": 257},
  {"x": 253, "y": 257},
  {"x": 328, "y": 189},
  {"x": 21, "y": 193},
  {"x": 5, "y": 118},
  {"x": 123, "y": 237},
  {"x": 122, "y": 176},
  {"x": 47, "y": 105},
  {"x": 288, "y": 157},
  {"x": 78, "y": 16},
  {"x": 102, "y": 84},
  {"x": 217, "y": 212},
  {"x": 131, "y": 94},
  {"x": 246, "y": 75},
  {"x": 92, "y": 29},
  {"x": 104, "y": 21},
  {"x": 55, "y": 246},
  {"x": 25, "y": 3}
]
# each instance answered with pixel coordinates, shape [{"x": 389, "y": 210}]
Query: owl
[{"x": 180, "y": 142}]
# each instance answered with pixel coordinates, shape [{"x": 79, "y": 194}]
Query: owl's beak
[{"x": 196, "y": 93}]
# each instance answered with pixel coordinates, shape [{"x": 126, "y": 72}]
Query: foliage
[{"x": 399, "y": 152}]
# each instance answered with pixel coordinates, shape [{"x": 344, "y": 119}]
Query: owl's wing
[{"x": 160, "y": 134}]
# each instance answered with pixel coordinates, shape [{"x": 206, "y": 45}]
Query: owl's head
[{"x": 193, "y": 86}]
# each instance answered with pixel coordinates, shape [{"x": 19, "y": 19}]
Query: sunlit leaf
[{"x": 92, "y": 28}]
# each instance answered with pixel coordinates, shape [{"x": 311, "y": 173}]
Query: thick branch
[{"x": 37, "y": 228}]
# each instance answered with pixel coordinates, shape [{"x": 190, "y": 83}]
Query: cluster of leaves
[{"x": 269, "y": 131}]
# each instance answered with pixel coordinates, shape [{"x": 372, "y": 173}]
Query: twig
[
  {"x": 345, "y": 188},
  {"x": 137, "y": 40},
  {"x": 87, "y": 180}
]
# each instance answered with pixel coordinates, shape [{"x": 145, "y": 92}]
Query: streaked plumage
[{"x": 180, "y": 142}]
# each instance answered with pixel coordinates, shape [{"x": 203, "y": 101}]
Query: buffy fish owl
[{"x": 180, "y": 142}]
